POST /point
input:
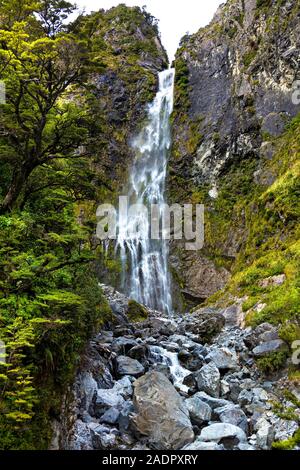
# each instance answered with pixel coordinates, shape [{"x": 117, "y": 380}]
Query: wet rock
[
  {"x": 160, "y": 412},
  {"x": 139, "y": 352},
  {"x": 199, "y": 411},
  {"x": 269, "y": 347},
  {"x": 127, "y": 366},
  {"x": 222, "y": 433},
  {"x": 232, "y": 414},
  {"x": 223, "y": 358},
  {"x": 208, "y": 380},
  {"x": 122, "y": 345},
  {"x": 191, "y": 383}
]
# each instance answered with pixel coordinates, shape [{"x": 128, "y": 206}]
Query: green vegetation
[
  {"x": 54, "y": 156},
  {"x": 272, "y": 362},
  {"x": 136, "y": 312}
]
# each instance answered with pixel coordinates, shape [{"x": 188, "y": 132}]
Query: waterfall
[{"x": 144, "y": 260}]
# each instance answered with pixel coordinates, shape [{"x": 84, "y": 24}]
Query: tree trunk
[{"x": 18, "y": 181}]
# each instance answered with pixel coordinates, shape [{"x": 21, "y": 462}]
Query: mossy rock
[{"x": 136, "y": 312}]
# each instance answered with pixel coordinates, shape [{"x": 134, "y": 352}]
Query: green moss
[
  {"x": 249, "y": 57},
  {"x": 289, "y": 444},
  {"x": 272, "y": 362},
  {"x": 136, "y": 312}
]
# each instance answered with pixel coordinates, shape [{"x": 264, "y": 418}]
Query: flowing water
[
  {"x": 144, "y": 260},
  {"x": 170, "y": 359}
]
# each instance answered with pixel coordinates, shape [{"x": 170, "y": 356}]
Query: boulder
[
  {"x": 232, "y": 414},
  {"x": 205, "y": 323},
  {"x": 161, "y": 414},
  {"x": 199, "y": 411},
  {"x": 269, "y": 347},
  {"x": 212, "y": 402},
  {"x": 107, "y": 398},
  {"x": 111, "y": 416},
  {"x": 208, "y": 380},
  {"x": 222, "y": 433},
  {"x": 128, "y": 366},
  {"x": 265, "y": 434},
  {"x": 122, "y": 345},
  {"x": 223, "y": 358}
]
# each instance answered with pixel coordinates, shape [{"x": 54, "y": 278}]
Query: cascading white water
[
  {"x": 170, "y": 359},
  {"x": 145, "y": 261}
]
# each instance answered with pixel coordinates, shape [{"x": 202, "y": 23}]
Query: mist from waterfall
[{"x": 145, "y": 273}]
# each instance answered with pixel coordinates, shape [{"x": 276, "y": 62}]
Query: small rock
[
  {"x": 200, "y": 445},
  {"x": 208, "y": 379},
  {"x": 212, "y": 402},
  {"x": 232, "y": 414},
  {"x": 223, "y": 358},
  {"x": 127, "y": 366},
  {"x": 111, "y": 416},
  {"x": 107, "y": 399},
  {"x": 264, "y": 349},
  {"x": 265, "y": 434},
  {"x": 198, "y": 410}
]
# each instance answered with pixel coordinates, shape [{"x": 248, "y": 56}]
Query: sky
[{"x": 176, "y": 17}]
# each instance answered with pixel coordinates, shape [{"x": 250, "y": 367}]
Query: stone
[
  {"x": 82, "y": 438},
  {"x": 107, "y": 398},
  {"x": 161, "y": 414},
  {"x": 212, "y": 402},
  {"x": 199, "y": 411},
  {"x": 265, "y": 434},
  {"x": 88, "y": 389},
  {"x": 122, "y": 345},
  {"x": 125, "y": 416},
  {"x": 124, "y": 387},
  {"x": 269, "y": 347},
  {"x": 223, "y": 433},
  {"x": 111, "y": 416},
  {"x": 199, "y": 445},
  {"x": 223, "y": 358},
  {"x": 205, "y": 324},
  {"x": 103, "y": 438},
  {"x": 127, "y": 366},
  {"x": 208, "y": 380},
  {"x": 245, "y": 397},
  {"x": 232, "y": 414},
  {"x": 272, "y": 281},
  {"x": 139, "y": 352}
]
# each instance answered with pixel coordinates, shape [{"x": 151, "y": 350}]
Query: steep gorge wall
[{"x": 233, "y": 102}]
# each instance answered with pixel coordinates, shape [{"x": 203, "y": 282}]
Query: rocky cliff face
[
  {"x": 131, "y": 53},
  {"x": 233, "y": 101}
]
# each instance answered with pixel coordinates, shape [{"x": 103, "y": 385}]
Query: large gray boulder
[
  {"x": 208, "y": 379},
  {"x": 161, "y": 414}
]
